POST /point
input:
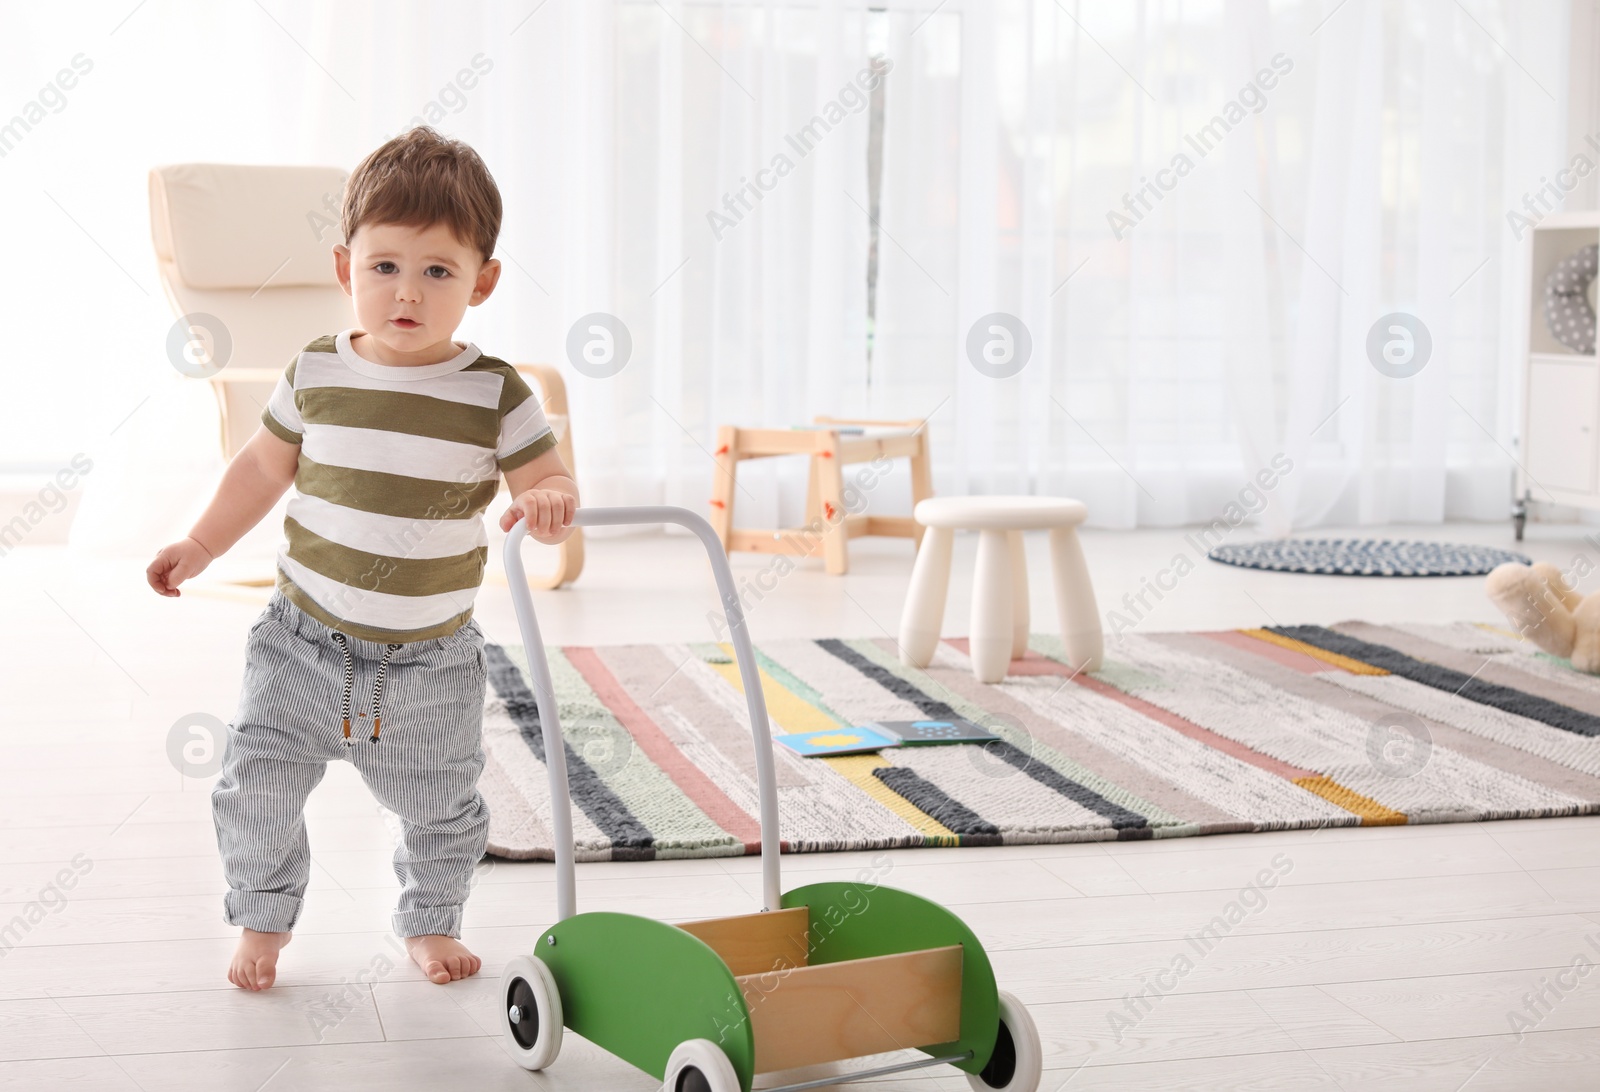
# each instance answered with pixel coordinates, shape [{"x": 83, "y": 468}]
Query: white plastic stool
[{"x": 1000, "y": 585}]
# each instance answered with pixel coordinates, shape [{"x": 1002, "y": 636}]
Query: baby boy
[{"x": 394, "y": 437}]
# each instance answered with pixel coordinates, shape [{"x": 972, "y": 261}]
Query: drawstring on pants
[{"x": 349, "y": 685}]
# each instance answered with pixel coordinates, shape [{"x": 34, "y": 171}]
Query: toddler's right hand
[{"x": 175, "y": 564}]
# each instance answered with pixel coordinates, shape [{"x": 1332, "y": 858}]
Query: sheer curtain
[
  {"x": 1185, "y": 328},
  {"x": 1199, "y": 295},
  {"x": 741, "y": 264}
]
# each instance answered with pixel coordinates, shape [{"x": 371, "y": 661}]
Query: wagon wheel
[
  {"x": 1018, "y": 1059},
  {"x": 699, "y": 1065},
  {"x": 533, "y": 1018}
]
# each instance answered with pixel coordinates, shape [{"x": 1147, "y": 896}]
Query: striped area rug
[{"x": 1178, "y": 734}]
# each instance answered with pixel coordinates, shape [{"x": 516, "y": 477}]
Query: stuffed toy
[{"x": 1536, "y": 600}]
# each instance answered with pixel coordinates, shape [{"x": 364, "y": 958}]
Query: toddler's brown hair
[{"x": 420, "y": 178}]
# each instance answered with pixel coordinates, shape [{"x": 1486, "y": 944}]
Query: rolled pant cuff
[
  {"x": 442, "y": 921},
  {"x": 263, "y": 911}
]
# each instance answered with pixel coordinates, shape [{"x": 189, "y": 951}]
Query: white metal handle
[{"x": 555, "y": 750}]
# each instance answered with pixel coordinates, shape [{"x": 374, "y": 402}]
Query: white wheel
[
  {"x": 532, "y": 1012},
  {"x": 699, "y": 1065},
  {"x": 1018, "y": 1060}
]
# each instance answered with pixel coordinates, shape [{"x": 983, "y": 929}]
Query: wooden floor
[{"x": 1386, "y": 957}]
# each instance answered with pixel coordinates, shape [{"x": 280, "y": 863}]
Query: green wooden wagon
[{"x": 823, "y": 973}]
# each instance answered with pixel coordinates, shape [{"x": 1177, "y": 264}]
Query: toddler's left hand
[{"x": 548, "y": 512}]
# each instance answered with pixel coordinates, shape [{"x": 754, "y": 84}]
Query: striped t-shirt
[{"x": 397, "y": 464}]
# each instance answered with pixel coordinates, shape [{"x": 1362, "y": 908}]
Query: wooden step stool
[{"x": 829, "y": 525}]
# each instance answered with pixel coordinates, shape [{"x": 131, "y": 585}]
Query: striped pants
[{"x": 422, "y": 700}]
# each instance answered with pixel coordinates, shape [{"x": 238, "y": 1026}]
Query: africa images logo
[
  {"x": 1251, "y": 99},
  {"x": 52, "y": 96}
]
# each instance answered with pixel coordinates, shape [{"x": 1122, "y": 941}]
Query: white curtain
[
  {"x": 1226, "y": 326},
  {"x": 739, "y": 260},
  {"x": 1195, "y": 320}
]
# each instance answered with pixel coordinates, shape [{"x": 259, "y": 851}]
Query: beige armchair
[{"x": 249, "y": 246}]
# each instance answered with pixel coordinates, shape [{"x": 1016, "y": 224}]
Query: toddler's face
[{"x": 412, "y": 285}]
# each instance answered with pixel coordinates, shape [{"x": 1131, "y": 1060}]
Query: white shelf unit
[{"x": 1561, "y": 388}]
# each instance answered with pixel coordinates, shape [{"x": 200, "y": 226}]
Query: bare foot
[
  {"x": 442, "y": 958},
  {"x": 255, "y": 961}
]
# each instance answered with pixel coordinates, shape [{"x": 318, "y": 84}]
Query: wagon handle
[{"x": 555, "y": 752}]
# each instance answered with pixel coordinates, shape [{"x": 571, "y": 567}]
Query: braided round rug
[{"x": 1365, "y": 557}]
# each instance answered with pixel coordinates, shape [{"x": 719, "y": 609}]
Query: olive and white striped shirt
[{"x": 397, "y": 464}]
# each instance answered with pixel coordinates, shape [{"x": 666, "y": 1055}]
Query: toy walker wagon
[{"x": 822, "y": 973}]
